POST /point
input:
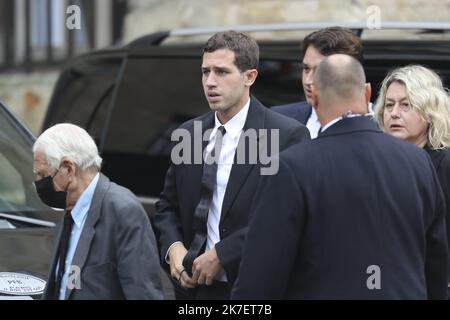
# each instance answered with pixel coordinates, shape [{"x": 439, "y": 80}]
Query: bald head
[{"x": 339, "y": 78}]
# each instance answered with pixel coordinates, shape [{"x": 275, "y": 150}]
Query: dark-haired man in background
[{"x": 315, "y": 47}]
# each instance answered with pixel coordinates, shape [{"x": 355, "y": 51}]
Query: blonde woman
[{"x": 413, "y": 105}]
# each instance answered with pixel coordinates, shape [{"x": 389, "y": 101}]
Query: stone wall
[
  {"x": 27, "y": 95},
  {"x": 147, "y": 16}
]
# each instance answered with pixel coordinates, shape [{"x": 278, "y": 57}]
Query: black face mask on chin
[{"x": 48, "y": 195}]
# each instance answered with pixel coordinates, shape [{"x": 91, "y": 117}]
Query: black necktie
[
  {"x": 63, "y": 248},
  {"x": 202, "y": 209}
]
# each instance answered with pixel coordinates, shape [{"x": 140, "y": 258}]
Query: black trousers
[{"x": 217, "y": 291}]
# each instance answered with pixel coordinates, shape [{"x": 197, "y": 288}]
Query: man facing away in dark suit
[
  {"x": 202, "y": 214},
  {"x": 315, "y": 47},
  {"x": 353, "y": 214},
  {"x": 105, "y": 246}
]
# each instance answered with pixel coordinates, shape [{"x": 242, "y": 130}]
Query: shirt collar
[
  {"x": 348, "y": 114},
  {"x": 235, "y": 125},
  {"x": 81, "y": 208},
  {"x": 314, "y": 116},
  {"x": 329, "y": 124}
]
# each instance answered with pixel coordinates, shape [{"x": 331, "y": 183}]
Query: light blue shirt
[{"x": 79, "y": 214}]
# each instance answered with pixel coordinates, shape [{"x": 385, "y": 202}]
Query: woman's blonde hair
[{"x": 427, "y": 95}]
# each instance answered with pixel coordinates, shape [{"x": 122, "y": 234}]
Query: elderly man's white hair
[{"x": 68, "y": 140}]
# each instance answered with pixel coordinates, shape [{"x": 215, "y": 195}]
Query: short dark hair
[
  {"x": 334, "y": 40},
  {"x": 245, "y": 48}
]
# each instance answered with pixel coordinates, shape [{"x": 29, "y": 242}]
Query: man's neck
[
  {"x": 84, "y": 180},
  {"x": 225, "y": 115},
  {"x": 330, "y": 113}
]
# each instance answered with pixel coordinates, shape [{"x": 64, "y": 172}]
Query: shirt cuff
[{"x": 166, "y": 258}]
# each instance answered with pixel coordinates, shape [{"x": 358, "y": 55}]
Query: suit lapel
[
  {"x": 196, "y": 170},
  {"x": 304, "y": 112},
  {"x": 239, "y": 172},
  {"x": 88, "y": 232}
]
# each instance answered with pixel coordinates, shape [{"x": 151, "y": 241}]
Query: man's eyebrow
[{"x": 216, "y": 68}]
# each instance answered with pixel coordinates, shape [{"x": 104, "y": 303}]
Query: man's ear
[
  {"x": 250, "y": 77},
  {"x": 69, "y": 165},
  {"x": 368, "y": 92}
]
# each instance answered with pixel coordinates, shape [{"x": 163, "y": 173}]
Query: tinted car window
[
  {"x": 85, "y": 93},
  {"x": 147, "y": 109}
]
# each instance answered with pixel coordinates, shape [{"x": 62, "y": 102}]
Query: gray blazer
[{"x": 116, "y": 254}]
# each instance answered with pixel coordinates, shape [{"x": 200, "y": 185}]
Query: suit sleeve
[
  {"x": 167, "y": 218},
  {"x": 271, "y": 245},
  {"x": 229, "y": 252},
  {"x": 436, "y": 264},
  {"x": 137, "y": 254},
  {"x": 444, "y": 179}
]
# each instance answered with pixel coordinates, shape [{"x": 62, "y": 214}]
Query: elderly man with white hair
[{"x": 105, "y": 246}]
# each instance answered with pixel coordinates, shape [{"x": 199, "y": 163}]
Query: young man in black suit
[
  {"x": 202, "y": 215},
  {"x": 315, "y": 47},
  {"x": 353, "y": 214}
]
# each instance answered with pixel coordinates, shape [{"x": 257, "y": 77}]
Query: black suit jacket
[
  {"x": 182, "y": 190},
  {"x": 342, "y": 205},
  {"x": 300, "y": 111},
  {"x": 441, "y": 161},
  {"x": 117, "y": 253}
]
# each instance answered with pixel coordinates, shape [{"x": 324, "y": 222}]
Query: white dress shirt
[
  {"x": 313, "y": 124},
  {"x": 234, "y": 128},
  {"x": 79, "y": 215}
]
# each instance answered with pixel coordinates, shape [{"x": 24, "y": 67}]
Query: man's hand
[
  {"x": 206, "y": 267},
  {"x": 176, "y": 255}
]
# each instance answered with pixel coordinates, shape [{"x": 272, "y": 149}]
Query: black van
[{"x": 131, "y": 98}]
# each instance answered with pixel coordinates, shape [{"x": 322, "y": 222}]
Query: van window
[{"x": 85, "y": 94}]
